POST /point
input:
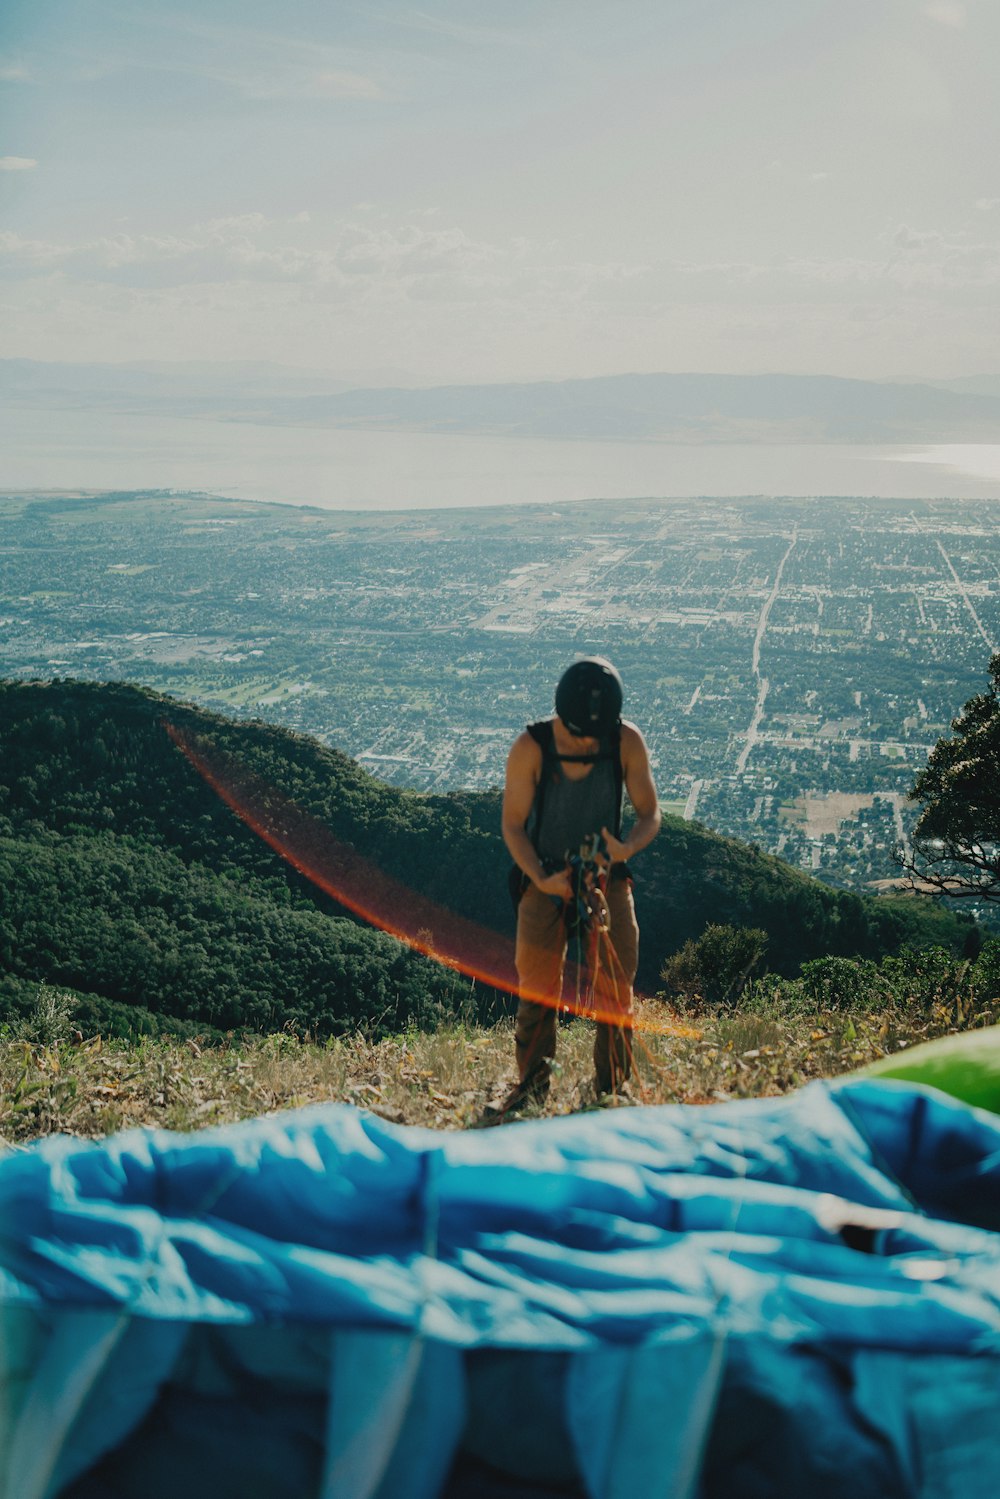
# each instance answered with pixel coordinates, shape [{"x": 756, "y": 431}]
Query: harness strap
[{"x": 544, "y": 736}]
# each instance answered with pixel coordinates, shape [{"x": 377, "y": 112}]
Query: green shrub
[
  {"x": 986, "y": 971},
  {"x": 50, "y": 1017},
  {"x": 844, "y": 984},
  {"x": 717, "y": 965},
  {"x": 930, "y": 979}
]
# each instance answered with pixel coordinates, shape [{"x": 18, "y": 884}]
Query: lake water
[{"x": 42, "y": 449}]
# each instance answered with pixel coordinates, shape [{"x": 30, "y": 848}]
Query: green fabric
[{"x": 966, "y": 1066}]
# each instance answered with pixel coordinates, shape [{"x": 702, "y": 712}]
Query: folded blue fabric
[{"x": 761, "y": 1297}]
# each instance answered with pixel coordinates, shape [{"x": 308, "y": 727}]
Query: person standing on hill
[{"x": 562, "y": 800}]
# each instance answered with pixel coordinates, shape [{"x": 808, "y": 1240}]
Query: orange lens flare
[{"x": 305, "y": 843}]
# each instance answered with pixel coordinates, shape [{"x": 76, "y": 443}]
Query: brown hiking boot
[{"x": 531, "y": 1092}]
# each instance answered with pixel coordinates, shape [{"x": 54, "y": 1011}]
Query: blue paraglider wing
[{"x": 764, "y": 1297}]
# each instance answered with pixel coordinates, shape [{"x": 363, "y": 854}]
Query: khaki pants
[{"x": 541, "y": 959}]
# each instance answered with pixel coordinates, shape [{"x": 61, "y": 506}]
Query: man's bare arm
[
  {"x": 642, "y": 794},
  {"x": 524, "y": 764}
]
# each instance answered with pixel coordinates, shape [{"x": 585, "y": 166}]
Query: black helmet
[{"x": 589, "y": 698}]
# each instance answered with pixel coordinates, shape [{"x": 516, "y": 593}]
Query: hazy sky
[{"x": 527, "y": 189}]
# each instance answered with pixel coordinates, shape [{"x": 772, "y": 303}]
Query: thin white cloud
[
  {"x": 34, "y": 250},
  {"x": 956, "y": 263},
  {"x": 239, "y": 223},
  {"x": 947, "y": 13},
  {"x": 905, "y": 238},
  {"x": 738, "y": 271},
  {"x": 464, "y": 31},
  {"x": 13, "y": 72},
  {"x": 278, "y": 81},
  {"x": 17, "y": 163},
  {"x": 295, "y": 83},
  {"x": 375, "y": 277},
  {"x": 407, "y": 261},
  {"x": 836, "y": 271},
  {"x": 382, "y": 264},
  {"x": 411, "y": 249},
  {"x": 789, "y": 174},
  {"x": 337, "y": 83},
  {"x": 259, "y": 65}
]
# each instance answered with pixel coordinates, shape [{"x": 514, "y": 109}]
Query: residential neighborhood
[{"x": 791, "y": 662}]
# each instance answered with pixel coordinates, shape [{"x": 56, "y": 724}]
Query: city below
[{"x": 791, "y": 662}]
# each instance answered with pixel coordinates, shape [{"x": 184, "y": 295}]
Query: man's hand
[
  {"x": 617, "y": 851},
  {"x": 558, "y": 884}
]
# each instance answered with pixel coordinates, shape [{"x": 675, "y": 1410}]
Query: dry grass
[{"x": 444, "y": 1080}]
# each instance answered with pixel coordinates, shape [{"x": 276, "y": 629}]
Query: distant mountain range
[
  {"x": 678, "y": 408},
  {"x": 172, "y": 387},
  {"x": 670, "y": 408}
]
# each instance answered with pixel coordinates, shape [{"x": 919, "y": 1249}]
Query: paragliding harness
[
  {"x": 589, "y": 865},
  {"x": 589, "y": 868}
]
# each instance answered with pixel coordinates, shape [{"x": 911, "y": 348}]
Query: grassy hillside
[
  {"x": 55, "y": 1076},
  {"x": 125, "y": 876}
]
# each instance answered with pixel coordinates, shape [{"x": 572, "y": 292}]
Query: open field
[{"x": 824, "y": 814}]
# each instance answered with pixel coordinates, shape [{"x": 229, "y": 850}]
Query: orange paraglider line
[{"x": 356, "y": 883}]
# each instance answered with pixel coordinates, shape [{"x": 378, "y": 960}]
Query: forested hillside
[{"x": 124, "y": 876}]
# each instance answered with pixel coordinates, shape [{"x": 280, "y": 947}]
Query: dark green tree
[{"x": 956, "y": 841}]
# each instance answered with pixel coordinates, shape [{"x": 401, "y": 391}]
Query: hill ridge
[{"x": 87, "y": 767}]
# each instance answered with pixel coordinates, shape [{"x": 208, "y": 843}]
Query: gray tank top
[{"x": 574, "y": 810}]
